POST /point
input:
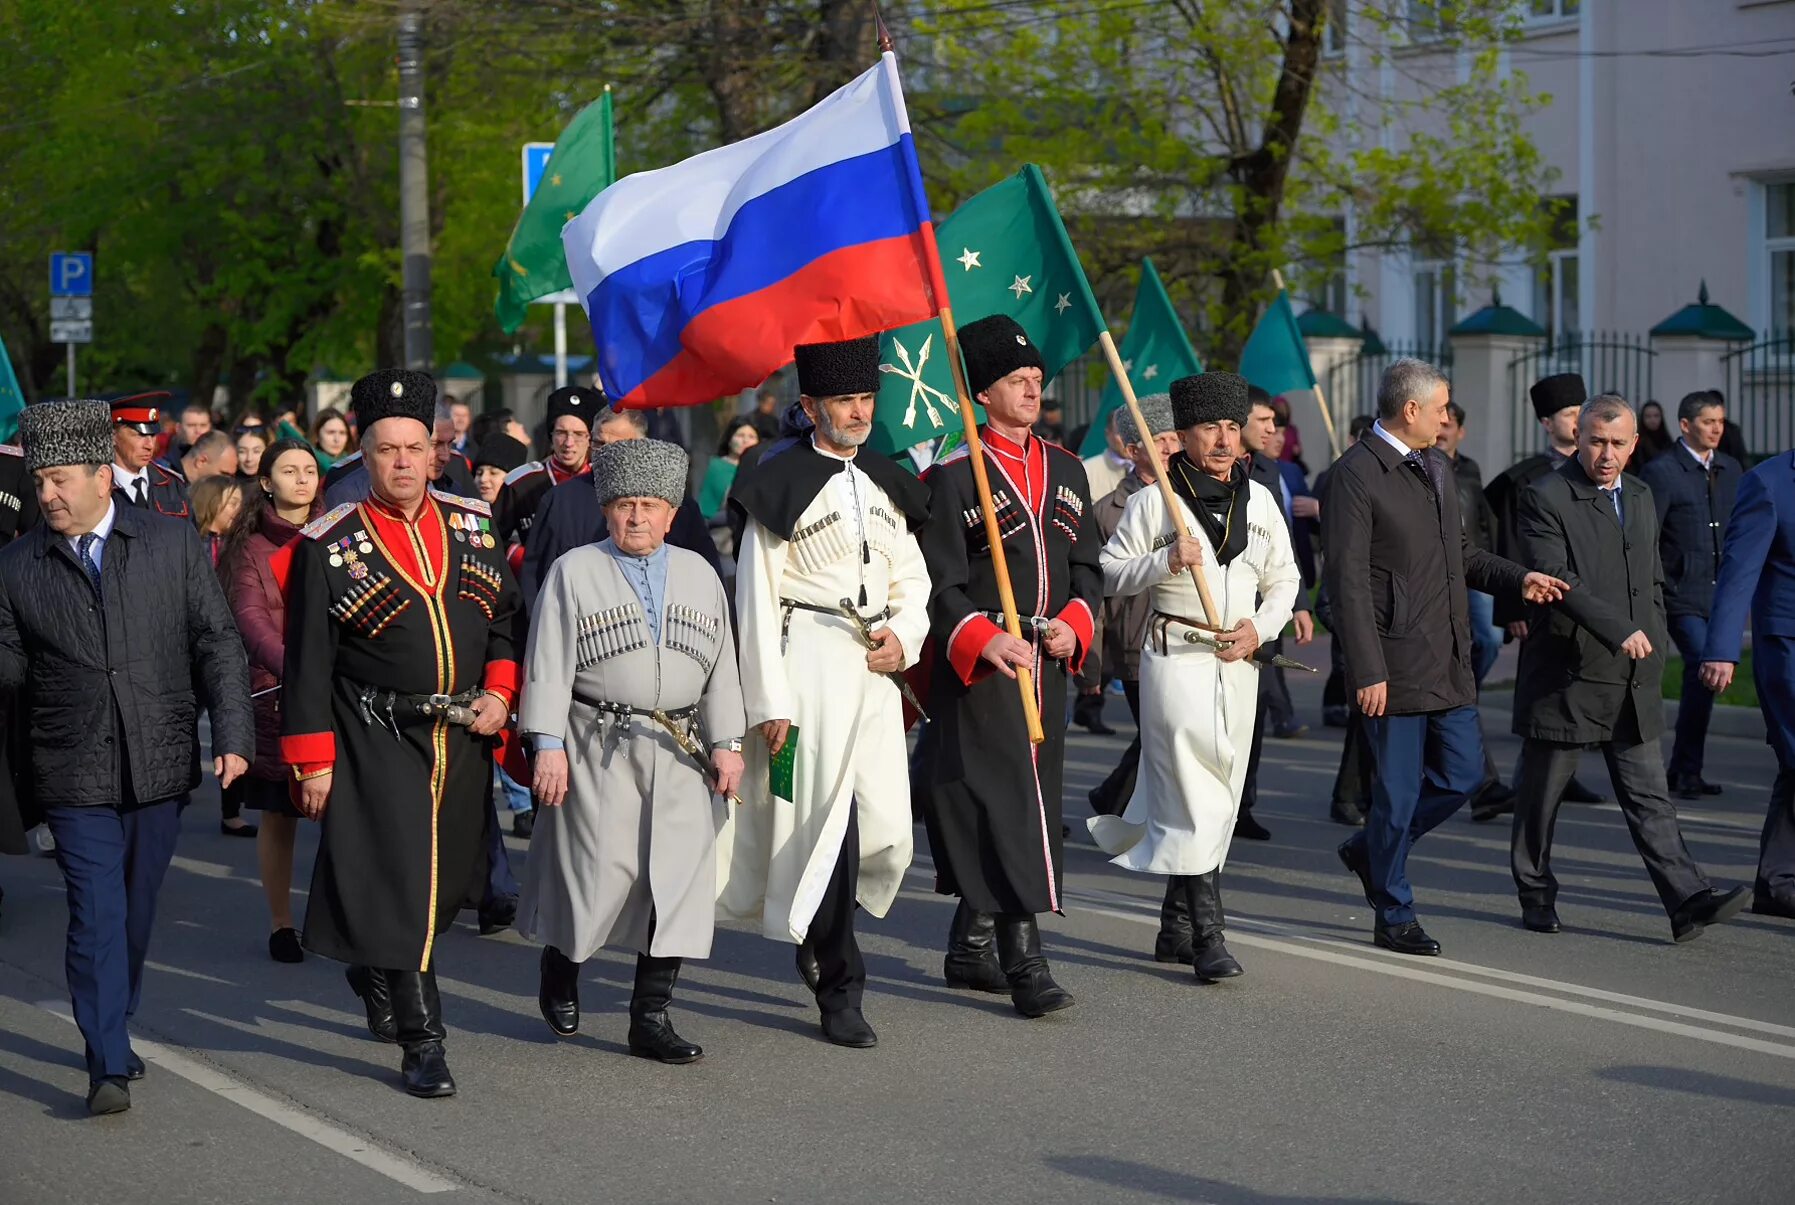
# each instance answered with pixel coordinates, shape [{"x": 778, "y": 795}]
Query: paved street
[{"x": 1604, "y": 1064}]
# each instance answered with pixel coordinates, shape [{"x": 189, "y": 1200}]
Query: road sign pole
[
  {"x": 560, "y": 344},
  {"x": 71, "y": 348}
]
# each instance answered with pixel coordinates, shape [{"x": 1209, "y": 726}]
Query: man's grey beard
[{"x": 836, "y": 437}]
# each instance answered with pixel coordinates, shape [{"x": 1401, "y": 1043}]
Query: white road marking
[{"x": 332, "y": 1138}]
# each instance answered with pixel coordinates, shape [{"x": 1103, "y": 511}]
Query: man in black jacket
[
  {"x": 109, "y": 614},
  {"x": 1694, "y": 486},
  {"x": 1398, "y": 565},
  {"x": 1591, "y": 669}
]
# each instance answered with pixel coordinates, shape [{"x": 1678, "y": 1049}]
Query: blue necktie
[
  {"x": 84, "y": 550},
  {"x": 1619, "y": 515}
]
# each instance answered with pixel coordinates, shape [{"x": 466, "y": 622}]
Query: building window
[
  {"x": 1333, "y": 34},
  {"x": 1436, "y": 301},
  {"x": 1552, "y": 10},
  {"x": 1555, "y": 282},
  {"x": 1430, "y": 19},
  {"x": 1779, "y": 249}
]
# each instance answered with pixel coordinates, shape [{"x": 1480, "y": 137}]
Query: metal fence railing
[
  {"x": 1608, "y": 361},
  {"x": 1352, "y": 383},
  {"x": 1760, "y": 393}
]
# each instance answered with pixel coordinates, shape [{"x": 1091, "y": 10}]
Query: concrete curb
[{"x": 1742, "y": 723}]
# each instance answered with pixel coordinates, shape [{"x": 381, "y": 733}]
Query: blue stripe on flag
[{"x": 639, "y": 311}]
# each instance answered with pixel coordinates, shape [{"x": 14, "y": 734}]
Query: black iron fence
[
  {"x": 1608, "y": 361},
  {"x": 1760, "y": 393},
  {"x": 1352, "y": 383}
]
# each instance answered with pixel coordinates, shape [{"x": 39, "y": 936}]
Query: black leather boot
[
  {"x": 418, "y": 1011},
  {"x": 971, "y": 961},
  {"x": 1032, "y": 989},
  {"x": 808, "y": 969},
  {"x": 1210, "y": 953},
  {"x": 369, "y": 984},
  {"x": 1175, "y": 941},
  {"x": 651, "y": 1034},
  {"x": 559, "y": 994}
]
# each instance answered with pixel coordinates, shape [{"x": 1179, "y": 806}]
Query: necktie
[
  {"x": 84, "y": 549},
  {"x": 1424, "y": 463},
  {"x": 142, "y": 491},
  {"x": 1619, "y": 515}
]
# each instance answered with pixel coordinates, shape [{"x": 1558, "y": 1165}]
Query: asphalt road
[{"x": 1603, "y": 1064}]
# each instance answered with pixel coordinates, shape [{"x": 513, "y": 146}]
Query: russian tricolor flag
[{"x": 700, "y": 278}]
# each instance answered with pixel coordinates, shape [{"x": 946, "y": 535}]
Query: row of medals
[
  {"x": 349, "y": 550},
  {"x": 465, "y": 527}
]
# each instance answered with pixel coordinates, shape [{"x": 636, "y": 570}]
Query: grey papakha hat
[
  {"x": 640, "y": 468},
  {"x": 1156, "y": 408},
  {"x": 65, "y": 432}
]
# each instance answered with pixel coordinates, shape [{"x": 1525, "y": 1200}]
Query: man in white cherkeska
[
  {"x": 1198, "y": 699},
  {"x": 828, "y": 562}
]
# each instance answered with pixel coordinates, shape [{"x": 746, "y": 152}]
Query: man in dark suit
[
  {"x": 1591, "y": 672},
  {"x": 1397, "y": 568},
  {"x": 1757, "y": 573},
  {"x": 110, "y": 617},
  {"x": 1693, "y": 488}
]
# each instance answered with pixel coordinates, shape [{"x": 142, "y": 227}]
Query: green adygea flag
[
  {"x": 12, "y": 398},
  {"x": 1275, "y": 357},
  {"x": 1155, "y": 352},
  {"x": 583, "y": 164},
  {"x": 1005, "y": 251}
]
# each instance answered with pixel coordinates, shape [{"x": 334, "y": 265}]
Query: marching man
[
  {"x": 828, "y": 566},
  {"x": 1199, "y": 687}
]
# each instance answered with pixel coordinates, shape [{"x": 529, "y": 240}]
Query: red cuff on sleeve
[
  {"x": 502, "y": 676},
  {"x": 514, "y": 556},
  {"x": 1077, "y": 616},
  {"x": 309, "y": 750},
  {"x": 969, "y": 640}
]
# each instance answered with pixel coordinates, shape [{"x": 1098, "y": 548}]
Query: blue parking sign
[
  {"x": 71, "y": 274},
  {"x": 535, "y": 160}
]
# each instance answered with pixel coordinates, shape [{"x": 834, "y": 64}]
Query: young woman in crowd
[
  {"x": 282, "y": 500},
  {"x": 216, "y": 504},
  {"x": 719, "y": 475},
  {"x": 330, "y": 438},
  {"x": 252, "y": 440}
]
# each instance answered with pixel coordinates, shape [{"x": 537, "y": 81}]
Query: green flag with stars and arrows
[
  {"x": 1155, "y": 352},
  {"x": 1005, "y": 251},
  {"x": 582, "y": 165}
]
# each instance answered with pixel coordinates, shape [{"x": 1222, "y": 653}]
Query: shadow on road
[
  {"x": 1177, "y": 1186},
  {"x": 1702, "y": 1083}
]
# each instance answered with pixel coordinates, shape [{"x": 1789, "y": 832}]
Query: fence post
[
  {"x": 1483, "y": 346},
  {"x": 1690, "y": 346},
  {"x": 1325, "y": 352}
]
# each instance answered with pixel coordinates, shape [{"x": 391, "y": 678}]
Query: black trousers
[
  {"x": 841, "y": 979},
  {"x": 1352, "y": 784},
  {"x": 1113, "y": 793},
  {"x": 1274, "y": 692},
  {"x": 1776, "y": 849},
  {"x": 1249, "y": 790},
  {"x": 1637, "y": 771}
]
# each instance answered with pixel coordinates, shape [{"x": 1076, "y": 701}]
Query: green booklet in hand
[{"x": 784, "y": 765}]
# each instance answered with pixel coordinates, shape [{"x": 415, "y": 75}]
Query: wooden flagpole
[
  {"x": 981, "y": 476},
  {"x": 1277, "y": 278},
  {"x": 1173, "y": 512}
]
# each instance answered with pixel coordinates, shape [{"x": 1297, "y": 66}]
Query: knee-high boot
[
  {"x": 558, "y": 995},
  {"x": 1032, "y": 989},
  {"x": 651, "y": 1034},
  {"x": 418, "y": 1015},
  {"x": 972, "y": 952},
  {"x": 369, "y": 984},
  {"x": 1210, "y": 952},
  {"x": 1174, "y": 942}
]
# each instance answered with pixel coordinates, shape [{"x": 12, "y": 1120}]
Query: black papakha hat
[
  {"x": 578, "y": 400},
  {"x": 1210, "y": 397},
  {"x": 393, "y": 393},
  {"x": 501, "y": 452},
  {"x": 1554, "y": 393},
  {"x": 838, "y": 369},
  {"x": 994, "y": 347}
]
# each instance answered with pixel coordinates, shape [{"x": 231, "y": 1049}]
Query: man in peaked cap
[
  {"x": 1180, "y": 819},
  {"x": 632, "y": 702},
  {"x": 828, "y": 530},
  {"x": 572, "y": 410},
  {"x": 402, "y": 637},
  {"x": 1556, "y": 400},
  {"x": 993, "y": 804},
  {"x": 113, "y": 716},
  {"x": 136, "y": 475}
]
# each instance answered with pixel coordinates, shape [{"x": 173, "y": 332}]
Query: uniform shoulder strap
[
  {"x": 477, "y": 505},
  {"x": 316, "y": 529}
]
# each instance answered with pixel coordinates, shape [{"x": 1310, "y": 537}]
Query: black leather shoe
[
  {"x": 1408, "y": 938},
  {"x": 1213, "y": 962},
  {"x": 651, "y": 1036},
  {"x": 849, "y": 1028},
  {"x": 808, "y": 969},
  {"x": 1087, "y": 713},
  {"x": 134, "y": 1068},
  {"x": 971, "y": 961},
  {"x": 1032, "y": 989},
  {"x": 501, "y": 915},
  {"x": 109, "y": 1095},
  {"x": 239, "y": 830},
  {"x": 1249, "y": 829},
  {"x": 1576, "y": 792},
  {"x": 1765, "y": 904},
  {"x": 425, "y": 1071},
  {"x": 1289, "y": 732},
  {"x": 1347, "y": 814},
  {"x": 1692, "y": 786},
  {"x": 1493, "y": 799},
  {"x": 558, "y": 994},
  {"x": 283, "y": 946},
  {"x": 523, "y": 825},
  {"x": 1334, "y": 715},
  {"x": 1706, "y": 908},
  {"x": 1541, "y": 918},
  {"x": 1353, "y": 856},
  {"x": 371, "y": 986}
]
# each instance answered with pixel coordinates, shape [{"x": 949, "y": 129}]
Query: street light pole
[{"x": 414, "y": 197}]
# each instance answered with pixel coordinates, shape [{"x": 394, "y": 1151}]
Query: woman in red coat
[{"x": 281, "y": 500}]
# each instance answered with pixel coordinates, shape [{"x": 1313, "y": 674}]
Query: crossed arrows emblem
[{"x": 920, "y": 390}]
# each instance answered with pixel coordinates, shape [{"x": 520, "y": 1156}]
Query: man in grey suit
[{"x": 1591, "y": 669}]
